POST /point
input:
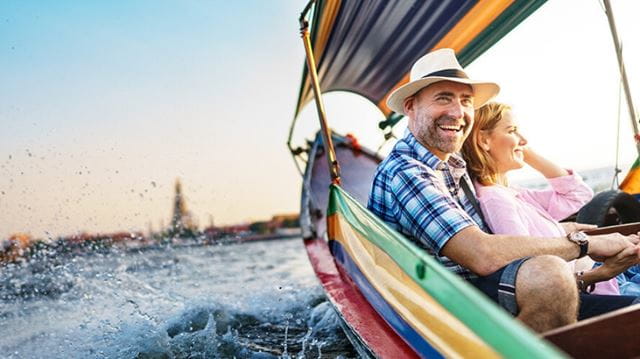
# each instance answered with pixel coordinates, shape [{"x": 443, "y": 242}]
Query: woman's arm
[
  {"x": 568, "y": 193},
  {"x": 612, "y": 266},
  {"x": 543, "y": 165}
]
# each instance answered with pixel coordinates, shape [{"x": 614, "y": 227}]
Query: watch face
[{"x": 578, "y": 237}]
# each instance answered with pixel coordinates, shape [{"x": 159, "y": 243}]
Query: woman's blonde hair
[{"x": 480, "y": 165}]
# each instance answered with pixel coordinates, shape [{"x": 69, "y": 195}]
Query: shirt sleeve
[
  {"x": 565, "y": 197},
  {"x": 429, "y": 215},
  {"x": 502, "y": 216}
]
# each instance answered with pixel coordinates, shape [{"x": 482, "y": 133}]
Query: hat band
[{"x": 448, "y": 73}]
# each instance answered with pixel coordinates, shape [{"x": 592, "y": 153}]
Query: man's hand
[
  {"x": 574, "y": 226},
  {"x": 620, "y": 262},
  {"x": 604, "y": 246}
]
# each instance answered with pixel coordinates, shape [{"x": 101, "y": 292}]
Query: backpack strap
[{"x": 474, "y": 201}]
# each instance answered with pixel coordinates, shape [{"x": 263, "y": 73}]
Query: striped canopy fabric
[{"x": 368, "y": 46}]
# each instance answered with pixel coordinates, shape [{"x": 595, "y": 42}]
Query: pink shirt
[{"x": 528, "y": 212}]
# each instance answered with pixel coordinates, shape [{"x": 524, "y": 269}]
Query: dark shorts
[{"x": 501, "y": 288}]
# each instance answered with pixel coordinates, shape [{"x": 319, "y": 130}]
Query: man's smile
[{"x": 455, "y": 128}]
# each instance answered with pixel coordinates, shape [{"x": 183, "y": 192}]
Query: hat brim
[{"x": 483, "y": 92}]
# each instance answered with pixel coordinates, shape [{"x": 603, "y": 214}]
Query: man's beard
[{"x": 427, "y": 133}]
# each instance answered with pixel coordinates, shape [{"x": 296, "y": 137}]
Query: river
[{"x": 243, "y": 300}]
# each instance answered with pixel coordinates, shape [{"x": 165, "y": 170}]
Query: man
[{"x": 419, "y": 190}]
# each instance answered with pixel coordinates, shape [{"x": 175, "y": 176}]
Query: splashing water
[{"x": 250, "y": 300}]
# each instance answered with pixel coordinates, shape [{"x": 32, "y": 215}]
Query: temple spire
[{"x": 182, "y": 220}]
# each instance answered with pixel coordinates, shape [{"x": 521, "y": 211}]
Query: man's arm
[
  {"x": 484, "y": 253},
  {"x": 433, "y": 218}
]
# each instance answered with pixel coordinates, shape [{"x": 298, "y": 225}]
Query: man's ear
[{"x": 407, "y": 106}]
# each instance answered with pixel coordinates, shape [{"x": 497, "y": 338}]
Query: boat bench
[{"x": 611, "y": 335}]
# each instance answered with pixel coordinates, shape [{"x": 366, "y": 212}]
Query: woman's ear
[{"x": 484, "y": 141}]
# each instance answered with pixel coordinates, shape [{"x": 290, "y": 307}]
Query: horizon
[
  {"x": 162, "y": 224},
  {"x": 104, "y": 105}
]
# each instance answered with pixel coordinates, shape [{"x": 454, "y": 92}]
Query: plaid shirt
[{"x": 409, "y": 194}]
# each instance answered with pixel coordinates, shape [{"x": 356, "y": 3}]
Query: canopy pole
[
  {"x": 623, "y": 73},
  {"x": 334, "y": 168}
]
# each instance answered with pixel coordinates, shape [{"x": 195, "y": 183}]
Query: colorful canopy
[
  {"x": 368, "y": 46},
  {"x": 631, "y": 183}
]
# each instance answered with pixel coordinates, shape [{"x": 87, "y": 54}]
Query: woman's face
[{"x": 505, "y": 144}]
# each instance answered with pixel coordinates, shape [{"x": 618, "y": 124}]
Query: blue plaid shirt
[{"x": 410, "y": 195}]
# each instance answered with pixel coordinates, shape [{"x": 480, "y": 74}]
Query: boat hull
[{"x": 372, "y": 277}]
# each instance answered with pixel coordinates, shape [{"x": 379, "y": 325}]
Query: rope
[{"x": 615, "y": 183}]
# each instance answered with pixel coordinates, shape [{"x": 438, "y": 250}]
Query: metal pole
[
  {"x": 623, "y": 73},
  {"x": 334, "y": 168}
]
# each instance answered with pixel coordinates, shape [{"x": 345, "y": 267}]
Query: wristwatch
[{"x": 582, "y": 240}]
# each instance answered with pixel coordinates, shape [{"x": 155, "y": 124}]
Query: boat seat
[{"x": 611, "y": 335}]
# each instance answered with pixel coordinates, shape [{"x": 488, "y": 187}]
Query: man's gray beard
[{"x": 428, "y": 136}]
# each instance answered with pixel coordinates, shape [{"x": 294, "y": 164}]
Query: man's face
[{"x": 441, "y": 116}]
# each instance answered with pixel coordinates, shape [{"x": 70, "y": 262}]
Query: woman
[{"x": 495, "y": 147}]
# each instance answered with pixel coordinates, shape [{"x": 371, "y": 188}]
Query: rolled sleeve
[
  {"x": 571, "y": 184},
  {"x": 565, "y": 197}
]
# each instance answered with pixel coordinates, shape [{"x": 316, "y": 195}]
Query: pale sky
[{"x": 104, "y": 104}]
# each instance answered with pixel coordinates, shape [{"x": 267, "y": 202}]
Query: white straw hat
[{"x": 440, "y": 65}]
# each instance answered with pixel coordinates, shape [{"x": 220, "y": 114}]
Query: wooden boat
[{"x": 395, "y": 301}]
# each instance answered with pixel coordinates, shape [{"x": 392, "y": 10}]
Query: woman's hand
[
  {"x": 613, "y": 266},
  {"x": 619, "y": 263},
  {"x": 528, "y": 154},
  {"x": 574, "y": 226}
]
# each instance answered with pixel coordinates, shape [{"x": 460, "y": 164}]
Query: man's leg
[
  {"x": 594, "y": 304},
  {"x": 546, "y": 293}
]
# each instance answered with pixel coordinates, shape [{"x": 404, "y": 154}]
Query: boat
[{"x": 393, "y": 299}]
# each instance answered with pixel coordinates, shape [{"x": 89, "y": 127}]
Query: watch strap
[{"x": 584, "y": 248}]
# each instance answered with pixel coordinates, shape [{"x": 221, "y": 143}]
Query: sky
[{"x": 104, "y": 104}]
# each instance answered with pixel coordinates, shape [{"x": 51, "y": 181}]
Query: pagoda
[{"x": 182, "y": 223}]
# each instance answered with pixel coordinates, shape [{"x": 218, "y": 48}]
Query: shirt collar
[
  {"x": 494, "y": 188},
  {"x": 456, "y": 164}
]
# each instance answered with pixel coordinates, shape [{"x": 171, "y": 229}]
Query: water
[{"x": 247, "y": 300}]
